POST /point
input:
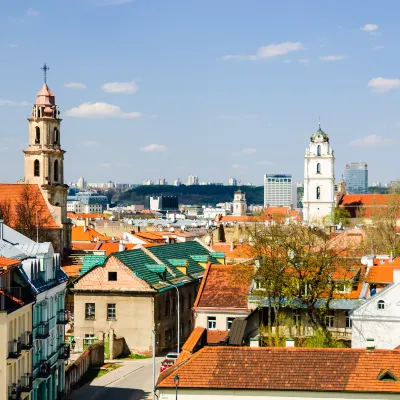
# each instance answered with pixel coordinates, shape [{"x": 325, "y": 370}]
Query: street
[{"x": 132, "y": 381}]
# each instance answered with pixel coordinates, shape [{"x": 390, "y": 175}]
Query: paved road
[{"x": 132, "y": 381}]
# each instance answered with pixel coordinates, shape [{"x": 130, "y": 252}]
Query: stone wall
[
  {"x": 92, "y": 356},
  {"x": 117, "y": 347}
]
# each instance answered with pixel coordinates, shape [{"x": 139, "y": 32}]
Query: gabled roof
[
  {"x": 280, "y": 368},
  {"x": 225, "y": 286},
  {"x": 92, "y": 260},
  {"x": 86, "y": 234},
  {"x": 12, "y": 193},
  {"x": 113, "y": 247}
]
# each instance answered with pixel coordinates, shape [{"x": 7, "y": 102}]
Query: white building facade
[
  {"x": 319, "y": 178},
  {"x": 279, "y": 190}
]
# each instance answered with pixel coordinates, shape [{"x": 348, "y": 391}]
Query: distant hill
[{"x": 193, "y": 194}]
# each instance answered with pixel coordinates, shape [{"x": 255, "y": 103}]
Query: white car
[{"x": 172, "y": 356}]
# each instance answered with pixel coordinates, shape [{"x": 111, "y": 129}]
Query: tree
[
  {"x": 298, "y": 268},
  {"x": 5, "y": 211},
  {"x": 340, "y": 216},
  {"x": 30, "y": 214}
]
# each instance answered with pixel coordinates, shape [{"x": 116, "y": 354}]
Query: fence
[{"x": 92, "y": 356}]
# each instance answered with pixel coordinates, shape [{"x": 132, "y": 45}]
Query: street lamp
[
  {"x": 176, "y": 381},
  {"x": 179, "y": 312}
]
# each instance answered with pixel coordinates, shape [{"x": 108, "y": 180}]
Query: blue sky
[{"x": 214, "y": 88}]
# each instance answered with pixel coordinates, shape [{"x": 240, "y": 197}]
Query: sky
[{"x": 154, "y": 89}]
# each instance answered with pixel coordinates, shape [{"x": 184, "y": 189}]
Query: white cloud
[
  {"x": 14, "y": 103},
  {"x": 12, "y": 45},
  {"x": 120, "y": 87},
  {"x": 384, "y": 84},
  {"x": 332, "y": 58},
  {"x": 370, "y": 27},
  {"x": 100, "y": 110},
  {"x": 104, "y": 165},
  {"x": 90, "y": 143},
  {"x": 266, "y": 52},
  {"x": 32, "y": 12},
  {"x": 75, "y": 85},
  {"x": 304, "y": 61},
  {"x": 372, "y": 141},
  {"x": 3, "y": 149},
  {"x": 239, "y": 166},
  {"x": 154, "y": 147}
]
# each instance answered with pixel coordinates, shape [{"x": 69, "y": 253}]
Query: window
[
  {"x": 56, "y": 171},
  {"x": 111, "y": 311},
  {"x": 318, "y": 150},
  {"x": 37, "y": 135},
  {"x": 348, "y": 320},
  {"x": 36, "y": 168},
  {"x": 258, "y": 285},
  {"x": 229, "y": 321},
  {"x": 296, "y": 317},
  {"x": 342, "y": 287},
  {"x": 318, "y": 168},
  {"x": 56, "y": 136},
  {"x": 212, "y": 322},
  {"x": 381, "y": 305},
  {"x": 90, "y": 311},
  {"x": 330, "y": 319},
  {"x": 318, "y": 192},
  {"x": 112, "y": 276}
]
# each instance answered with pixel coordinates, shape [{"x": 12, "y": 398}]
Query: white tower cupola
[
  {"x": 319, "y": 178},
  {"x": 239, "y": 204}
]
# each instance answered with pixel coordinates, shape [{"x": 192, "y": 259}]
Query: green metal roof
[
  {"x": 157, "y": 268},
  {"x": 92, "y": 260},
  {"x": 178, "y": 262},
  {"x": 216, "y": 254},
  {"x": 200, "y": 258},
  {"x": 320, "y": 134}
]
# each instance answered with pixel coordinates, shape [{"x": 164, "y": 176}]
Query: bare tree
[{"x": 5, "y": 211}]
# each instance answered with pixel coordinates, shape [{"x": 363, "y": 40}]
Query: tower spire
[{"x": 45, "y": 68}]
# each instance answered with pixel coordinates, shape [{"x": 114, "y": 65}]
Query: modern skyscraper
[
  {"x": 356, "y": 178},
  {"x": 193, "y": 180},
  {"x": 319, "y": 178},
  {"x": 279, "y": 190}
]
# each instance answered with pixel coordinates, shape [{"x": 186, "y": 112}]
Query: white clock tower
[{"x": 319, "y": 178}]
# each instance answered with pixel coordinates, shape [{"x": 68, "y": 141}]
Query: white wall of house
[
  {"x": 221, "y": 318},
  {"x": 378, "y": 321},
  {"x": 221, "y": 394}
]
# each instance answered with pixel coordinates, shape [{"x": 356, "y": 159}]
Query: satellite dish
[{"x": 207, "y": 240}]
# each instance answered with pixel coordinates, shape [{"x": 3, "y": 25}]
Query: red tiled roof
[
  {"x": 183, "y": 355},
  {"x": 193, "y": 338},
  {"x": 215, "y": 336},
  {"x": 85, "y": 246},
  {"x": 370, "y": 204},
  {"x": 8, "y": 262},
  {"x": 113, "y": 247},
  {"x": 85, "y": 216},
  {"x": 243, "y": 251},
  {"x": 298, "y": 369},
  {"x": 12, "y": 193},
  {"x": 224, "y": 286},
  {"x": 86, "y": 234}
]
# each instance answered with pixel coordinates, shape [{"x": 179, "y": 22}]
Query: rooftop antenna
[
  {"x": 45, "y": 68},
  {"x": 319, "y": 122}
]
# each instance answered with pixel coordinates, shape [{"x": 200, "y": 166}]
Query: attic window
[
  {"x": 381, "y": 305},
  {"x": 112, "y": 276},
  {"x": 387, "y": 375}
]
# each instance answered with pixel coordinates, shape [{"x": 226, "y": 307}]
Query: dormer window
[
  {"x": 387, "y": 375},
  {"x": 381, "y": 305}
]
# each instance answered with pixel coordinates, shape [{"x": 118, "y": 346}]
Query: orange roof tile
[
  {"x": 239, "y": 251},
  {"x": 85, "y": 246},
  {"x": 370, "y": 204},
  {"x": 86, "y": 234},
  {"x": 8, "y": 262},
  {"x": 183, "y": 355},
  {"x": 297, "y": 369},
  {"x": 12, "y": 193},
  {"x": 85, "y": 216},
  {"x": 193, "y": 338},
  {"x": 224, "y": 286},
  {"x": 215, "y": 336},
  {"x": 113, "y": 247}
]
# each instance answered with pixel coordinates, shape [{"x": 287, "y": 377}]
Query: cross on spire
[{"x": 45, "y": 68}]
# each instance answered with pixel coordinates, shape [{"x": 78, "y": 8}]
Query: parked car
[{"x": 172, "y": 356}]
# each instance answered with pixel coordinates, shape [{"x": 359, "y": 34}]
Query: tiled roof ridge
[{"x": 202, "y": 285}]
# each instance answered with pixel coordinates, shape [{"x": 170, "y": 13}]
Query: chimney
[
  {"x": 370, "y": 344},
  {"x": 396, "y": 276},
  {"x": 289, "y": 342},
  {"x": 121, "y": 246},
  {"x": 1, "y": 229}
]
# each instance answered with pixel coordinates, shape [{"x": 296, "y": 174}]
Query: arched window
[
  {"x": 37, "y": 137},
  {"x": 318, "y": 192},
  {"x": 381, "y": 305},
  {"x": 56, "y": 171},
  {"x": 318, "y": 150},
  {"x": 318, "y": 168},
  {"x": 36, "y": 168},
  {"x": 56, "y": 136}
]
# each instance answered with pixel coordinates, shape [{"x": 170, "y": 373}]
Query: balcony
[
  {"x": 43, "y": 330},
  {"x": 14, "y": 348},
  {"x": 27, "y": 340},
  {"x": 26, "y": 382},
  {"x": 64, "y": 351},
  {"x": 62, "y": 317},
  {"x": 10, "y": 298},
  {"x": 44, "y": 369},
  {"x": 14, "y": 391}
]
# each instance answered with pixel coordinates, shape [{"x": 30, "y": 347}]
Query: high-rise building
[
  {"x": 319, "y": 178},
  {"x": 356, "y": 178},
  {"x": 81, "y": 183},
  {"x": 177, "y": 182},
  {"x": 279, "y": 190},
  {"x": 232, "y": 182},
  {"x": 193, "y": 180}
]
